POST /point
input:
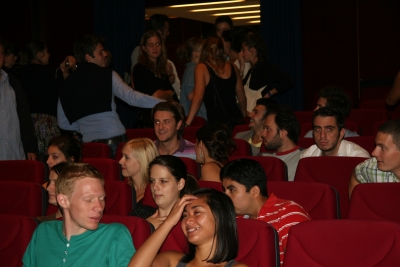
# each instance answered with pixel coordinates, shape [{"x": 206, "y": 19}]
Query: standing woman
[
  {"x": 263, "y": 79},
  {"x": 217, "y": 84},
  {"x": 190, "y": 52},
  {"x": 151, "y": 74},
  {"x": 41, "y": 89}
]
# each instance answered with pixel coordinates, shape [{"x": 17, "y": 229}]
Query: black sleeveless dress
[{"x": 228, "y": 264}]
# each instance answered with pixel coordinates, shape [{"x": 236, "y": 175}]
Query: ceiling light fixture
[
  {"x": 236, "y": 13},
  {"x": 222, "y": 8},
  {"x": 246, "y": 17},
  {"x": 206, "y": 4},
  {"x": 254, "y": 21}
]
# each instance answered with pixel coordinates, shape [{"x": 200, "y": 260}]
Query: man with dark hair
[
  {"x": 257, "y": 118},
  {"x": 222, "y": 23},
  {"x": 280, "y": 134},
  {"x": 245, "y": 182},
  {"x": 328, "y": 133},
  {"x": 334, "y": 97},
  {"x": 384, "y": 166},
  {"x": 80, "y": 239},
  {"x": 168, "y": 126},
  {"x": 17, "y": 134},
  {"x": 87, "y": 104},
  {"x": 160, "y": 23}
]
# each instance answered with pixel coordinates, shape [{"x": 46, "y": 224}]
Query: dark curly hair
[{"x": 217, "y": 140}]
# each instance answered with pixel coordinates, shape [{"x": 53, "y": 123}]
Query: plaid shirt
[{"x": 368, "y": 172}]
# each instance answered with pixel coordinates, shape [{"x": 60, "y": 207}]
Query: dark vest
[{"x": 86, "y": 91}]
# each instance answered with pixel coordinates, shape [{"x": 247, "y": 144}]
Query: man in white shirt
[{"x": 328, "y": 133}]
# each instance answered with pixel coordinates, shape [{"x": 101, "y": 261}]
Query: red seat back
[
  {"x": 305, "y": 142},
  {"x": 118, "y": 153},
  {"x": 321, "y": 201},
  {"x": 141, "y": 133},
  {"x": 375, "y": 201},
  {"x": 15, "y": 236},
  {"x": 275, "y": 168},
  {"x": 365, "y": 118},
  {"x": 109, "y": 168},
  {"x": 25, "y": 198},
  {"x": 120, "y": 198},
  {"x": 239, "y": 128},
  {"x": 303, "y": 116},
  {"x": 335, "y": 171},
  {"x": 198, "y": 121},
  {"x": 176, "y": 240},
  {"x": 210, "y": 184},
  {"x": 343, "y": 243},
  {"x": 190, "y": 133},
  {"x": 366, "y": 142},
  {"x": 23, "y": 170},
  {"x": 96, "y": 150},
  {"x": 192, "y": 167},
  {"x": 258, "y": 243},
  {"x": 243, "y": 148},
  {"x": 139, "y": 228},
  {"x": 148, "y": 197}
]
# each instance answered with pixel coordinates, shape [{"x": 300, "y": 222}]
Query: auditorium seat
[
  {"x": 366, "y": 142},
  {"x": 243, "y": 148},
  {"x": 109, "y": 168},
  {"x": 139, "y": 228},
  {"x": 148, "y": 197},
  {"x": 176, "y": 240},
  {"x": 198, "y": 121},
  {"x": 375, "y": 201},
  {"x": 141, "y": 133},
  {"x": 275, "y": 168},
  {"x": 303, "y": 116},
  {"x": 305, "y": 142},
  {"x": 96, "y": 150},
  {"x": 258, "y": 243},
  {"x": 192, "y": 167},
  {"x": 334, "y": 171},
  {"x": 23, "y": 170},
  {"x": 365, "y": 118},
  {"x": 210, "y": 184},
  {"x": 190, "y": 133},
  {"x": 15, "y": 235},
  {"x": 240, "y": 128},
  {"x": 120, "y": 198},
  {"x": 321, "y": 201},
  {"x": 345, "y": 243},
  {"x": 25, "y": 198},
  {"x": 118, "y": 153}
]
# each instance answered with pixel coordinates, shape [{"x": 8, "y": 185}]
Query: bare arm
[
  {"x": 147, "y": 253},
  {"x": 394, "y": 94},
  {"x": 353, "y": 182},
  {"x": 163, "y": 94},
  {"x": 201, "y": 79},
  {"x": 240, "y": 93}
]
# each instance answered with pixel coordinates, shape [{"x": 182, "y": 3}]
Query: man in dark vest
[{"x": 86, "y": 103}]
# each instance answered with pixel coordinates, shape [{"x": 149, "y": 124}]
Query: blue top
[
  {"x": 187, "y": 88},
  {"x": 106, "y": 124}
]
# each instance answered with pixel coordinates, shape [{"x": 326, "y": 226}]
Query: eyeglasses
[{"x": 151, "y": 45}]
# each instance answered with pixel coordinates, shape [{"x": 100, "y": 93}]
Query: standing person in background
[
  {"x": 150, "y": 75},
  {"x": 17, "y": 135},
  {"x": 12, "y": 59},
  {"x": 217, "y": 83},
  {"x": 222, "y": 23},
  {"x": 263, "y": 79},
  {"x": 159, "y": 23},
  {"x": 190, "y": 52},
  {"x": 41, "y": 88},
  {"x": 232, "y": 48}
]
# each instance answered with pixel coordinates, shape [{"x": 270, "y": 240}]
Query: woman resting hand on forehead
[{"x": 209, "y": 223}]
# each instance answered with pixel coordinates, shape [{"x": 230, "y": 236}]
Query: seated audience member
[
  {"x": 87, "y": 105},
  {"x": 245, "y": 182},
  {"x": 334, "y": 97},
  {"x": 169, "y": 181},
  {"x": 257, "y": 119},
  {"x": 79, "y": 239},
  {"x": 393, "y": 96},
  {"x": 384, "y": 166},
  {"x": 328, "y": 133},
  {"x": 136, "y": 156},
  {"x": 213, "y": 148},
  {"x": 12, "y": 59},
  {"x": 17, "y": 134},
  {"x": 51, "y": 189},
  {"x": 63, "y": 148},
  {"x": 208, "y": 221},
  {"x": 169, "y": 127},
  {"x": 281, "y": 132},
  {"x": 222, "y": 23}
]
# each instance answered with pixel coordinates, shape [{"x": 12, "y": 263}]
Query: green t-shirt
[{"x": 108, "y": 245}]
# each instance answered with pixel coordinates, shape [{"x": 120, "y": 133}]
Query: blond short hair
[
  {"x": 73, "y": 172},
  {"x": 144, "y": 151}
]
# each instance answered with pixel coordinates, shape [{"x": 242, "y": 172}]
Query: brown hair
[
  {"x": 185, "y": 52},
  {"x": 213, "y": 53},
  {"x": 160, "y": 68}
]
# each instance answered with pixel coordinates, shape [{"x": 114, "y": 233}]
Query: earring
[{"x": 201, "y": 154}]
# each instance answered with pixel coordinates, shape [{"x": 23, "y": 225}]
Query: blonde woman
[{"x": 136, "y": 156}]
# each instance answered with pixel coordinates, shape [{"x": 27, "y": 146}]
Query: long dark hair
[
  {"x": 160, "y": 68},
  {"x": 226, "y": 235}
]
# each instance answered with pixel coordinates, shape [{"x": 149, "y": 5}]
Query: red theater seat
[
  {"x": 176, "y": 240},
  {"x": 239, "y": 128},
  {"x": 141, "y": 133},
  {"x": 365, "y": 118},
  {"x": 139, "y": 228},
  {"x": 192, "y": 167},
  {"x": 345, "y": 243},
  {"x": 23, "y": 170},
  {"x": 96, "y": 150},
  {"x": 321, "y": 201},
  {"x": 15, "y": 235},
  {"x": 243, "y": 148},
  {"x": 25, "y": 198},
  {"x": 120, "y": 198},
  {"x": 210, "y": 184},
  {"x": 258, "y": 243},
  {"x": 109, "y": 168}
]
